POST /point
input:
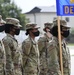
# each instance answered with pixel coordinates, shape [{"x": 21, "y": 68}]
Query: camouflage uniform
[
  {"x": 2, "y": 21},
  {"x": 30, "y": 56},
  {"x": 13, "y": 66},
  {"x": 2, "y": 53},
  {"x": 2, "y": 59},
  {"x": 43, "y": 42},
  {"x": 54, "y": 57}
]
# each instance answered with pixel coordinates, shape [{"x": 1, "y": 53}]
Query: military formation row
[{"x": 40, "y": 57}]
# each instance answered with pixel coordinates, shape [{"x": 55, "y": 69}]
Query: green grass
[
  {"x": 71, "y": 44},
  {"x": 72, "y": 55}
]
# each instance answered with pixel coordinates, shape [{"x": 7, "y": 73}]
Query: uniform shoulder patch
[
  {"x": 52, "y": 44},
  {"x": 26, "y": 42},
  {"x": 26, "y": 46},
  {"x": 42, "y": 39}
]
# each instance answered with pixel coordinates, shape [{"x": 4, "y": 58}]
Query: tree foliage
[
  {"x": 10, "y": 9},
  {"x": 72, "y": 31}
]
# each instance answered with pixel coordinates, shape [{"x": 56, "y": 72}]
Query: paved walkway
[{"x": 72, "y": 59}]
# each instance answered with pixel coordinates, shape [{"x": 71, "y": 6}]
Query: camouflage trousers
[
  {"x": 30, "y": 71},
  {"x": 43, "y": 71},
  {"x": 31, "y": 74},
  {"x": 9, "y": 72},
  {"x": 67, "y": 71},
  {"x": 43, "y": 74},
  {"x": 2, "y": 72},
  {"x": 17, "y": 71}
]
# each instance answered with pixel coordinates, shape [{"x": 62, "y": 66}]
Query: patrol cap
[
  {"x": 32, "y": 26},
  {"x": 1, "y": 20},
  {"x": 13, "y": 21},
  {"x": 62, "y": 22},
  {"x": 49, "y": 25}
]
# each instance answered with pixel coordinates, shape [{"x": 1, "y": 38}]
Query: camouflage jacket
[
  {"x": 2, "y": 59},
  {"x": 30, "y": 56},
  {"x": 43, "y": 42},
  {"x": 54, "y": 58},
  {"x": 12, "y": 54}
]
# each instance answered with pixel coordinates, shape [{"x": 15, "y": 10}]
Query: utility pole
[
  {"x": 34, "y": 17},
  {"x": 61, "y": 17}
]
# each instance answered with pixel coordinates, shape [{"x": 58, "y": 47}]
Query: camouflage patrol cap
[
  {"x": 49, "y": 25},
  {"x": 13, "y": 21},
  {"x": 32, "y": 26},
  {"x": 62, "y": 22},
  {"x": 1, "y": 20}
]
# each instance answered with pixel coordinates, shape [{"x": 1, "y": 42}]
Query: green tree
[
  {"x": 10, "y": 9},
  {"x": 72, "y": 31}
]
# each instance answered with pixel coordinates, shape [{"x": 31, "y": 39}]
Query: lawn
[{"x": 71, "y": 44}]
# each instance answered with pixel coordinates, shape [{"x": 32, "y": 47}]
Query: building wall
[
  {"x": 41, "y": 18},
  {"x": 35, "y": 18},
  {"x": 71, "y": 20},
  {"x": 46, "y": 17},
  {"x": 30, "y": 17}
]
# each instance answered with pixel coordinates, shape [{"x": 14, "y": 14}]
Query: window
[
  {"x": 54, "y": 18},
  {"x": 67, "y": 19}
]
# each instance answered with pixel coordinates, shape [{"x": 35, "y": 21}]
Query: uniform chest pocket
[
  {"x": 15, "y": 46},
  {"x": 1, "y": 53},
  {"x": 34, "y": 51},
  {"x": 65, "y": 58}
]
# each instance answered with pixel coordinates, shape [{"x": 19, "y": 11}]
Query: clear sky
[{"x": 27, "y": 5}]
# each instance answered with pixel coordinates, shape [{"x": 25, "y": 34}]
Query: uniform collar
[
  {"x": 57, "y": 41},
  {"x": 11, "y": 36},
  {"x": 48, "y": 38},
  {"x": 32, "y": 40}
]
